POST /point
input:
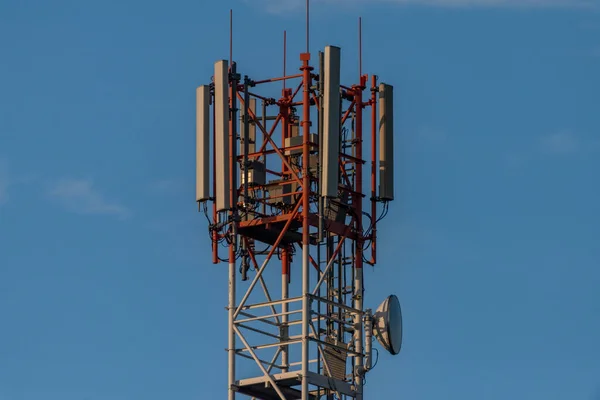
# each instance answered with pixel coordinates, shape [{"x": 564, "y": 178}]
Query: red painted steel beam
[
  {"x": 283, "y": 78},
  {"x": 268, "y": 138}
]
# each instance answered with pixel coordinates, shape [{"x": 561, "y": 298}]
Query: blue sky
[{"x": 492, "y": 244}]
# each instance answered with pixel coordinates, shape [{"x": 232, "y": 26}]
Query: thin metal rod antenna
[
  {"x": 284, "y": 55},
  {"x": 230, "y": 36},
  {"x": 359, "y": 47},
  {"x": 307, "y": 23}
]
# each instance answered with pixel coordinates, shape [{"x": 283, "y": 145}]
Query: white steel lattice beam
[{"x": 257, "y": 360}]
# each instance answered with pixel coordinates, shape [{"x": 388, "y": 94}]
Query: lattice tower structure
[{"x": 293, "y": 201}]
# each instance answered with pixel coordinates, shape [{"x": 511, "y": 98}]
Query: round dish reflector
[{"x": 388, "y": 324}]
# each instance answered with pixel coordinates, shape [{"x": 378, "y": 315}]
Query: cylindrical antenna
[
  {"x": 307, "y": 23},
  {"x": 359, "y": 47},
  {"x": 230, "y": 36}
]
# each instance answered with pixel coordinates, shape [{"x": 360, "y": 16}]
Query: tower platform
[{"x": 261, "y": 388}]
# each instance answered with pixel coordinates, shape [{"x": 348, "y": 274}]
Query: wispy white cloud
[
  {"x": 277, "y": 6},
  {"x": 499, "y": 3},
  {"x": 280, "y": 6},
  {"x": 80, "y": 196},
  {"x": 560, "y": 143},
  {"x": 4, "y": 181},
  {"x": 166, "y": 186}
]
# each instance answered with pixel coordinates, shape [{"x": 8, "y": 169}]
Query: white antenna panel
[
  {"x": 222, "y": 195},
  {"x": 331, "y": 122},
  {"x": 202, "y": 143},
  {"x": 386, "y": 142}
]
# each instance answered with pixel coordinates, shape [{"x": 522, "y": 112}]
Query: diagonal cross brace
[
  {"x": 275, "y": 147},
  {"x": 264, "y": 371},
  {"x": 264, "y": 265}
]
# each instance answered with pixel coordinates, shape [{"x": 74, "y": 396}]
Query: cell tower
[{"x": 288, "y": 189}]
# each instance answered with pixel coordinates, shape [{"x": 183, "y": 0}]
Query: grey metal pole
[
  {"x": 358, "y": 333},
  {"x": 305, "y": 319},
  {"x": 320, "y": 127},
  {"x": 368, "y": 340},
  {"x": 231, "y": 333},
  {"x": 284, "y": 308},
  {"x": 246, "y": 137},
  {"x": 306, "y": 80},
  {"x": 233, "y": 244}
]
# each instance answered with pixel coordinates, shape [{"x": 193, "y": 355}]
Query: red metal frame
[{"x": 353, "y": 185}]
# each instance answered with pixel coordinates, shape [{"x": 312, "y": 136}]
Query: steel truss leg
[{"x": 231, "y": 332}]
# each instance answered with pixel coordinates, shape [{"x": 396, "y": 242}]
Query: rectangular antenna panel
[
  {"x": 251, "y": 129},
  {"x": 221, "y": 79},
  {"x": 331, "y": 122},
  {"x": 386, "y": 142},
  {"x": 202, "y": 143},
  {"x": 298, "y": 141}
]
